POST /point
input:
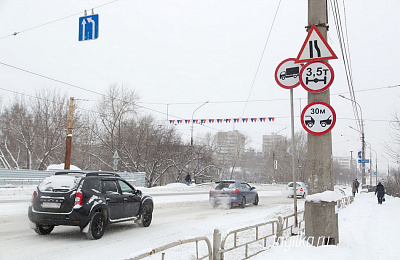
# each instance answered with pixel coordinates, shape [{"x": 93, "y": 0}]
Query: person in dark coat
[
  {"x": 380, "y": 190},
  {"x": 188, "y": 179},
  {"x": 354, "y": 187}
]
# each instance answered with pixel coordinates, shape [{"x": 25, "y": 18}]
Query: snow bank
[
  {"x": 60, "y": 166},
  {"x": 326, "y": 196}
]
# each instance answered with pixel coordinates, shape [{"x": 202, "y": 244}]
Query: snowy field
[{"x": 367, "y": 230}]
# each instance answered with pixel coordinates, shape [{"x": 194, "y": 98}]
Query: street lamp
[
  {"x": 273, "y": 149},
  {"x": 376, "y": 165},
  {"x": 191, "y": 137},
  {"x": 388, "y": 169},
  {"x": 363, "y": 181}
]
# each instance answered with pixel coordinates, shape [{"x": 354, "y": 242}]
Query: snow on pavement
[{"x": 367, "y": 230}]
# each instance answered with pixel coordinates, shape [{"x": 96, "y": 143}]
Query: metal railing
[
  {"x": 261, "y": 232},
  {"x": 264, "y": 236},
  {"x": 162, "y": 249},
  {"x": 290, "y": 219},
  {"x": 344, "y": 202}
]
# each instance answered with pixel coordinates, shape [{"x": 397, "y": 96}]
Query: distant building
[
  {"x": 345, "y": 162},
  {"x": 230, "y": 145},
  {"x": 271, "y": 141}
]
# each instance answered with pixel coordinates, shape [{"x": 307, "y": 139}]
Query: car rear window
[
  {"x": 59, "y": 183},
  {"x": 291, "y": 184},
  {"x": 224, "y": 185}
]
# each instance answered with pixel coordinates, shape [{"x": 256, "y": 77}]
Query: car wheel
[
  {"x": 146, "y": 216},
  {"x": 256, "y": 200},
  {"x": 43, "y": 229},
  {"x": 97, "y": 226},
  {"x": 243, "y": 202}
]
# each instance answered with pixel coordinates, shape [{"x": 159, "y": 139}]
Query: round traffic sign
[
  {"x": 318, "y": 118},
  {"x": 287, "y": 73},
  {"x": 316, "y": 76}
]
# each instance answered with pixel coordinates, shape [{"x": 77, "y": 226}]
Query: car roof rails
[
  {"x": 68, "y": 172},
  {"x": 102, "y": 174}
]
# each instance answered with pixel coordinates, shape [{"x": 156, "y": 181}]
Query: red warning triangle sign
[{"x": 315, "y": 48}]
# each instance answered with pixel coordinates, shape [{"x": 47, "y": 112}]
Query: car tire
[
  {"x": 243, "y": 204},
  {"x": 146, "y": 216},
  {"x": 43, "y": 229},
  {"x": 256, "y": 200},
  {"x": 97, "y": 226}
]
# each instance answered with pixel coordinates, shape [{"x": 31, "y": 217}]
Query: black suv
[{"x": 89, "y": 200}]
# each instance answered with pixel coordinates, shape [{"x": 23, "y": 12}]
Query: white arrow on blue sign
[{"x": 89, "y": 27}]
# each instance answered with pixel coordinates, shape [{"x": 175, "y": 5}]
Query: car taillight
[
  {"x": 33, "y": 196},
  {"x": 301, "y": 189},
  {"x": 211, "y": 191},
  {"x": 78, "y": 198},
  {"x": 235, "y": 191}
]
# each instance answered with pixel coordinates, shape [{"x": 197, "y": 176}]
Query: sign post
[{"x": 287, "y": 76}]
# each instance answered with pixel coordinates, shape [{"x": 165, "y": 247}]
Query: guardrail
[
  {"x": 261, "y": 232},
  {"x": 344, "y": 202},
  {"x": 162, "y": 249},
  {"x": 254, "y": 239},
  {"x": 20, "y": 181},
  {"x": 287, "y": 223}
]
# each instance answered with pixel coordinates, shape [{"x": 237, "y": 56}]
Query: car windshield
[
  {"x": 60, "y": 183},
  {"x": 224, "y": 185}
]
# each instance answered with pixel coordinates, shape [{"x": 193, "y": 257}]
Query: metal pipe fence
[
  {"x": 252, "y": 239},
  {"x": 250, "y": 235},
  {"x": 162, "y": 249}
]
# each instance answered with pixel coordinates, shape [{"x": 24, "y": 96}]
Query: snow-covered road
[{"x": 175, "y": 217}]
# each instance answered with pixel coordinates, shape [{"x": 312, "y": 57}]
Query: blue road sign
[
  {"x": 89, "y": 27},
  {"x": 364, "y": 161}
]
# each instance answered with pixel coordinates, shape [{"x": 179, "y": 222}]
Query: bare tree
[
  {"x": 50, "y": 114},
  {"x": 18, "y": 133}
]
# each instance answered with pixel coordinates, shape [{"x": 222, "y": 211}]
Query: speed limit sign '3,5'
[
  {"x": 318, "y": 118},
  {"x": 316, "y": 76}
]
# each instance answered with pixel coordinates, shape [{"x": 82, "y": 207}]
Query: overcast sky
[{"x": 179, "y": 54}]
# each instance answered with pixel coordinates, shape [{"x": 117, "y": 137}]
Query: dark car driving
[
  {"x": 232, "y": 193},
  {"x": 89, "y": 200}
]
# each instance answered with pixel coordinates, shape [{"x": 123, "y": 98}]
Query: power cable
[
  {"x": 262, "y": 56},
  {"x": 57, "y": 20}
]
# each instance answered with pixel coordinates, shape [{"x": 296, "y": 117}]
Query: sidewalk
[{"x": 367, "y": 230}]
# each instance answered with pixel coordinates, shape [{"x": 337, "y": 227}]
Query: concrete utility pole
[
  {"x": 321, "y": 220},
  {"x": 68, "y": 146}
]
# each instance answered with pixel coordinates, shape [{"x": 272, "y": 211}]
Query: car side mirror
[
  {"x": 139, "y": 193},
  {"x": 253, "y": 188}
]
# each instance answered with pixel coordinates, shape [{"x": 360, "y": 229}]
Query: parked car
[
  {"x": 301, "y": 189},
  {"x": 233, "y": 193},
  {"x": 89, "y": 200}
]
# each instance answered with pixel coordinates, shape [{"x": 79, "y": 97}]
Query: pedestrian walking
[
  {"x": 188, "y": 179},
  {"x": 354, "y": 187},
  {"x": 380, "y": 192}
]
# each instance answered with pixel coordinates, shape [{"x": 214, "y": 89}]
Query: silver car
[
  {"x": 233, "y": 193},
  {"x": 301, "y": 189}
]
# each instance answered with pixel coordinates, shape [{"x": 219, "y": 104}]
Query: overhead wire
[
  {"x": 345, "y": 51},
  {"x": 54, "y": 21},
  {"x": 262, "y": 56}
]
